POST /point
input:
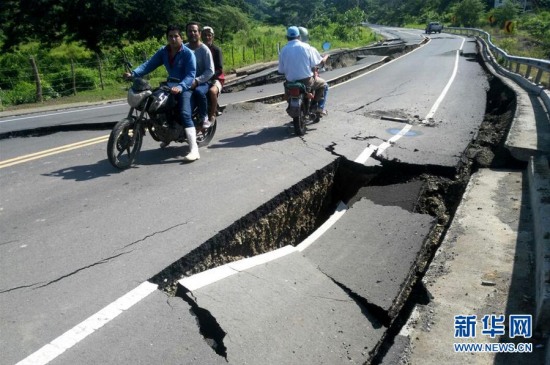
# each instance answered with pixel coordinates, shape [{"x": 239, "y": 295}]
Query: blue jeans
[
  {"x": 184, "y": 108},
  {"x": 200, "y": 99}
]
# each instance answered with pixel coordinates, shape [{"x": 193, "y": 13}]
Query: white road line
[
  {"x": 393, "y": 139},
  {"x": 446, "y": 89},
  {"x": 88, "y": 326},
  {"x": 59, "y": 113},
  {"x": 207, "y": 277}
]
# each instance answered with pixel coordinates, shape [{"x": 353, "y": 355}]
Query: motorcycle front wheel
[{"x": 122, "y": 147}]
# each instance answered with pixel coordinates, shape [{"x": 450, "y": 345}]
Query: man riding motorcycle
[
  {"x": 297, "y": 60},
  {"x": 180, "y": 63}
]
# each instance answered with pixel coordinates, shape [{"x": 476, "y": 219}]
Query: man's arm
[
  {"x": 208, "y": 64},
  {"x": 218, "y": 62},
  {"x": 190, "y": 70},
  {"x": 150, "y": 65}
]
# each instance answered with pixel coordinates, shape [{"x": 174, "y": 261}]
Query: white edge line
[
  {"x": 364, "y": 156},
  {"x": 70, "y": 338},
  {"x": 393, "y": 139},
  {"x": 207, "y": 277},
  {"x": 340, "y": 210},
  {"x": 73, "y": 110},
  {"x": 446, "y": 89},
  {"x": 250, "y": 262}
]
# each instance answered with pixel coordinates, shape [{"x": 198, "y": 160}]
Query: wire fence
[{"x": 34, "y": 79}]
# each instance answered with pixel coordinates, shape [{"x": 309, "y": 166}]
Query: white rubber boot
[{"x": 191, "y": 134}]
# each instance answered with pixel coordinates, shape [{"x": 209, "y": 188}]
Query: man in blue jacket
[{"x": 181, "y": 65}]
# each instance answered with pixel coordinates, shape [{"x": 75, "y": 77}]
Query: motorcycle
[
  {"x": 301, "y": 106},
  {"x": 153, "y": 110}
]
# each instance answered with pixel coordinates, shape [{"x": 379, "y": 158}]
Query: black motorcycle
[
  {"x": 302, "y": 108},
  {"x": 153, "y": 110}
]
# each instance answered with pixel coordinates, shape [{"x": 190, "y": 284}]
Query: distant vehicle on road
[{"x": 435, "y": 27}]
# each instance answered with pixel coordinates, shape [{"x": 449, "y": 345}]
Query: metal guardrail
[{"x": 511, "y": 63}]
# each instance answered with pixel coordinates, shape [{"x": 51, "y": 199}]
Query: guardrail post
[
  {"x": 528, "y": 72},
  {"x": 539, "y": 77}
]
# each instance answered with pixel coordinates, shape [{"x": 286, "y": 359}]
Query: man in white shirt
[
  {"x": 297, "y": 60},
  {"x": 205, "y": 71}
]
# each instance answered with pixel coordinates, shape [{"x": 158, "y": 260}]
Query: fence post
[
  {"x": 39, "y": 97},
  {"x": 73, "y": 77},
  {"x": 100, "y": 72}
]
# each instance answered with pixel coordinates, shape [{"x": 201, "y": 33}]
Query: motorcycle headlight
[{"x": 135, "y": 98}]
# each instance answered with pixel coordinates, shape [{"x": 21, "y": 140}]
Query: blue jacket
[{"x": 184, "y": 67}]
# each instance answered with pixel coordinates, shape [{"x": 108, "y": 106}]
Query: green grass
[
  {"x": 110, "y": 93},
  {"x": 118, "y": 90}
]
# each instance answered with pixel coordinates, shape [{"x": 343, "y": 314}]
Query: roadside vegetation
[{"x": 81, "y": 58}]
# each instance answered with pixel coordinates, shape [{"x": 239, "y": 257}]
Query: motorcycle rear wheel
[
  {"x": 205, "y": 137},
  {"x": 122, "y": 148},
  {"x": 300, "y": 122}
]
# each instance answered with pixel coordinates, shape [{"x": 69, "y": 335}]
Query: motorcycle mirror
[{"x": 326, "y": 46}]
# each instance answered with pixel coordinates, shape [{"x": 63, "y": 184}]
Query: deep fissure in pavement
[
  {"x": 444, "y": 193},
  {"x": 209, "y": 328},
  {"x": 298, "y": 211},
  {"x": 287, "y": 219}
]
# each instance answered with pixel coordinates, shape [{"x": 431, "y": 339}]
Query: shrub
[
  {"x": 85, "y": 79},
  {"x": 22, "y": 93}
]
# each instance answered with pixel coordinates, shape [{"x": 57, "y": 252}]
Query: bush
[
  {"x": 22, "y": 93},
  {"x": 85, "y": 79}
]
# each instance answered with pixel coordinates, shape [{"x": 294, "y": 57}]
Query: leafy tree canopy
[{"x": 104, "y": 23}]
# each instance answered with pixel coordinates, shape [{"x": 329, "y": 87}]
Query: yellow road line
[{"x": 53, "y": 151}]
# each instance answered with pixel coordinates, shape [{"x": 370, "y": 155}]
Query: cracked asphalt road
[{"x": 71, "y": 211}]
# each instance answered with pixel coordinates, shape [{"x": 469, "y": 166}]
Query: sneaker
[
  {"x": 322, "y": 112},
  {"x": 164, "y": 144},
  {"x": 206, "y": 123}
]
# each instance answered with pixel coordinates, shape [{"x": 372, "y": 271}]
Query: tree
[
  {"x": 509, "y": 11},
  {"x": 467, "y": 12},
  {"x": 100, "y": 23},
  {"x": 227, "y": 20},
  {"x": 292, "y": 12},
  {"x": 29, "y": 20}
]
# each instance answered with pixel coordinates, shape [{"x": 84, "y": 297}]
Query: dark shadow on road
[
  {"x": 256, "y": 138},
  {"x": 103, "y": 168},
  {"x": 85, "y": 172}
]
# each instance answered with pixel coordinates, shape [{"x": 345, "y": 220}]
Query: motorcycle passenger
[
  {"x": 180, "y": 63},
  {"x": 217, "y": 81},
  {"x": 205, "y": 71},
  {"x": 304, "y": 37},
  {"x": 297, "y": 60}
]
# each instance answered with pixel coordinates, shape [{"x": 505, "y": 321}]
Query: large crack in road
[{"x": 298, "y": 211}]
